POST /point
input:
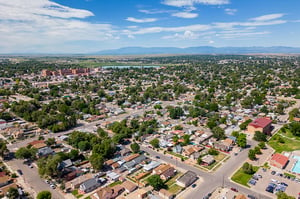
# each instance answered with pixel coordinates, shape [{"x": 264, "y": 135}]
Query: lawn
[
  {"x": 115, "y": 183},
  {"x": 177, "y": 155},
  {"x": 288, "y": 145},
  {"x": 76, "y": 194},
  {"x": 242, "y": 178},
  {"x": 174, "y": 189},
  {"x": 173, "y": 180}
]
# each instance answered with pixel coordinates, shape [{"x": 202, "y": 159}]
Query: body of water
[{"x": 296, "y": 167}]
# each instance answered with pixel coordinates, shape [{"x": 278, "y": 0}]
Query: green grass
[
  {"x": 174, "y": 189},
  {"x": 115, "y": 183},
  {"x": 88, "y": 197},
  {"x": 177, "y": 155},
  {"x": 76, "y": 194},
  {"x": 288, "y": 145},
  {"x": 242, "y": 178},
  {"x": 172, "y": 181},
  {"x": 290, "y": 175}
]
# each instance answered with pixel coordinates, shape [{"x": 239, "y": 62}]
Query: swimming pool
[{"x": 296, "y": 167}]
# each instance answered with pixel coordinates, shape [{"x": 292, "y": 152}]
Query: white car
[{"x": 52, "y": 186}]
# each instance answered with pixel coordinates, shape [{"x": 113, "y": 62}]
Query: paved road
[
  {"x": 31, "y": 178},
  {"x": 212, "y": 180}
]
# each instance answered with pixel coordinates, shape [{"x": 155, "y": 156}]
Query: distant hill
[{"x": 198, "y": 50}]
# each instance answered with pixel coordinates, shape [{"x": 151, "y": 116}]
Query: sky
[{"x": 88, "y": 26}]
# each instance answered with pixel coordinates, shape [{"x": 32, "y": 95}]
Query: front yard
[
  {"x": 242, "y": 178},
  {"x": 172, "y": 186}
]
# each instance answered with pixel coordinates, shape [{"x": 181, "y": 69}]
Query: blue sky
[{"x": 86, "y": 26}]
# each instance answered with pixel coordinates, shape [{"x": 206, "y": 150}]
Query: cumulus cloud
[
  {"x": 143, "y": 20},
  {"x": 186, "y": 15},
  {"x": 28, "y": 25}
]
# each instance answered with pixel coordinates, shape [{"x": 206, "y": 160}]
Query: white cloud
[
  {"x": 268, "y": 17},
  {"x": 186, "y": 35},
  {"x": 186, "y": 15},
  {"x": 29, "y": 26},
  {"x": 154, "y": 11},
  {"x": 230, "y": 11},
  {"x": 144, "y": 20},
  {"x": 211, "y": 42},
  {"x": 241, "y": 34},
  {"x": 182, "y": 3}
]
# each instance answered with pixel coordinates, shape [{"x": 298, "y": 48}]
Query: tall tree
[{"x": 44, "y": 195}]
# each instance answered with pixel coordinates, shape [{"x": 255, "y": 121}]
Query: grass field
[
  {"x": 284, "y": 142},
  {"x": 76, "y": 194},
  {"x": 241, "y": 177},
  {"x": 174, "y": 189}
]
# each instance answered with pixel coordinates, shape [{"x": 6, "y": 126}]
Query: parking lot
[{"x": 292, "y": 189}]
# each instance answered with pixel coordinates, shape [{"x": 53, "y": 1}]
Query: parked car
[
  {"x": 47, "y": 181},
  {"x": 284, "y": 184},
  {"x": 273, "y": 172},
  {"x": 252, "y": 181},
  {"x": 251, "y": 197},
  {"x": 234, "y": 189},
  {"x": 194, "y": 185},
  {"x": 270, "y": 189},
  {"x": 30, "y": 166},
  {"x": 157, "y": 157},
  {"x": 207, "y": 196},
  {"x": 52, "y": 186},
  {"x": 20, "y": 172}
]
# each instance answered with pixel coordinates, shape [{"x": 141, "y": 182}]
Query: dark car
[
  {"x": 207, "y": 196},
  {"x": 157, "y": 157},
  {"x": 251, "y": 197},
  {"x": 270, "y": 189},
  {"x": 194, "y": 185},
  {"x": 273, "y": 172},
  {"x": 234, "y": 189},
  {"x": 20, "y": 171},
  {"x": 284, "y": 184}
]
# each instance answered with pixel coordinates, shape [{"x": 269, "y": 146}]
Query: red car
[{"x": 234, "y": 189}]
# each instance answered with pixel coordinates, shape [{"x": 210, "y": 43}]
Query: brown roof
[
  {"x": 241, "y": 196},
  {"x": 109, "y": 162},
  {"x": 280, "y": 159},
  {"x": 161, "y": 168},
  {"x": 39, "y": 145},
  {"x": 165, "y": 192},
  {"x": 36, "y": 142},
  {"x": 129, "y": 186},
  {"x": 131, "y": 157},
  {"x": 228, "y": 141},
  {"x": 115, "y": 165},
  {"x": 108, "y": 192},
  {"x": 4, "y": 179}
]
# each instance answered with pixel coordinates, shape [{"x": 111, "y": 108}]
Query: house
[
  {"x": 167, "y": 174},
  {"x": 223, "y": 146},
  {"x": 195, "y": 155},
  {"x": 177, "y": 149},
  {"x": 189, "y": 150},
  {"x": 187, "y": 179},
  {"x": 279, "y": 160},
  {"x": 4, "y": 179},
  {"x": 65, "y": 164},
  {"x": 141, "y": 193},
  {"x": 129, "y": 186},
  {"x": 108, "y": 192},
  {"x": 160, "y": 169},
  {"x": 208, "y": 159},
  {"x": 113, "y": 176},
  {"x": 125, "y": 152},
  {"x": 151, "y": 165},
  {"x": 163, "y": 193},
  {"x": 131, "y": 157},
  {"x": 262, "y": 125},
  {"x": 75, "y": 183},
  {"x": 45, "y": 151},
  {"x": 89, "y": 185}
]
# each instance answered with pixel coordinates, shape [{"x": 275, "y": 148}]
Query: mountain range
[{"x": 199, "y": 50}]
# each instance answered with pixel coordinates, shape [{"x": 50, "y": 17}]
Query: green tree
[
  {"x": 84, "y": 145},
  {"x": 186, "y": 139},
  {"x": 244, "y": 125},
  {"x": 218, "y": 133},
  {"x": 135, "y": 147},
  {"x": 235, "y": 134},
  {"x": 213, "y": 151},
  {"x": 3, "y": 148},
  {"x": 26, "y": 153},
  {"x": 44, "y": 195},
  {"x": 199, "y": 160},
  {"x": 12, "y": 193},
  {"x": 251, "y": 154},
  {"x": 50, "y": 141},
  {"x": 283, "y": 195},
  {"x": 242, "y": 140},
  {"x": 257, "y": 150},
  {"x": 155, "y": 143},
  {"x": 74, "y": 154},
  {"x": 96, "y": 161},
  {"x": 156, "y": 182},
  {"x": 262, "y": 145},
  {"x": 248, "y": 168},
  {"x": 260, "y": 137}
]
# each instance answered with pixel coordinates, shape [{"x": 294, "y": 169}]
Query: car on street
[
  {"x": 207, "y": 196},
  {"x": 251, "y": 197},
  {"x": 30, "y": 166},
  {"x": 157, "y": 157},
  {"x": 47, "y": 181},
  {"x": 234, "y": 189},
  {"x": 20, "y": 172},
  {"x": 52, "y": 186},
  {"x": 194, "y": 185},
  {"x": 273, "y": 172}
]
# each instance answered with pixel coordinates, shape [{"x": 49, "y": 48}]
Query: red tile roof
[
  {"x": 261, "y": 122},
  {"x": 280, "y": 159}
]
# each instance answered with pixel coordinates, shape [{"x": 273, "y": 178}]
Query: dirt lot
[{"x": 293, "y": 186}]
